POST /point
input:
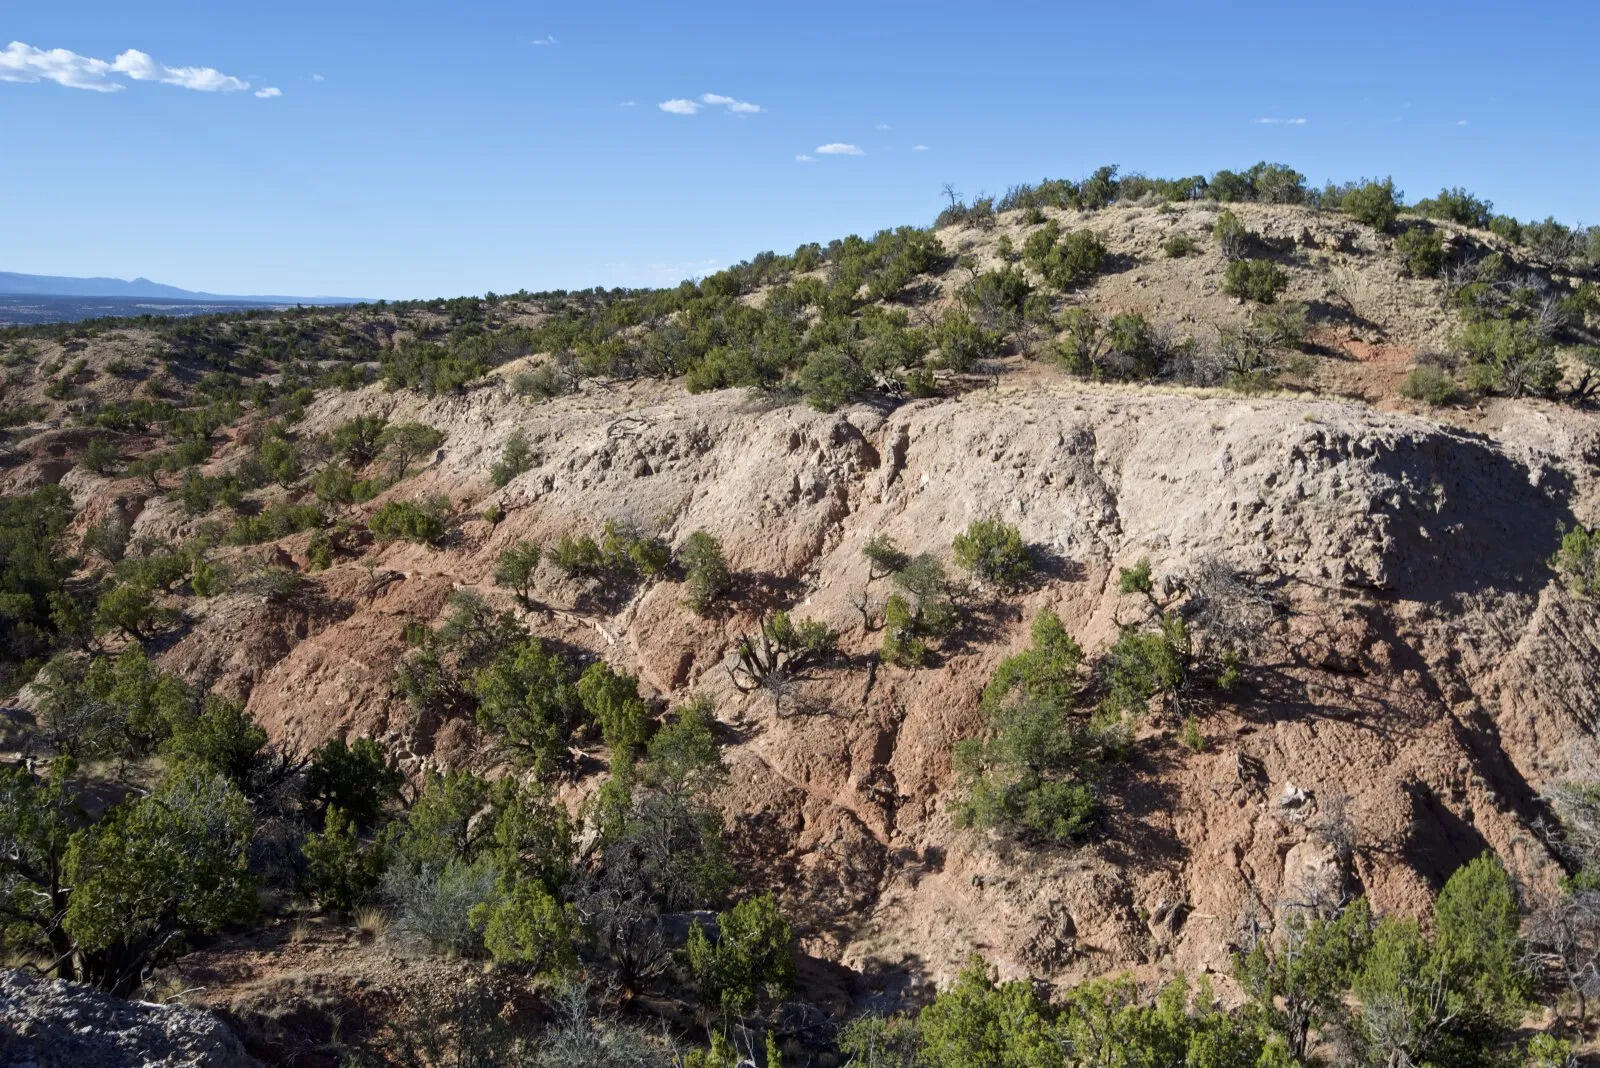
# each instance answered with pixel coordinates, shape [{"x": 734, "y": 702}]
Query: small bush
[
  {"x": 1578, "y": 560},
  {"x": 101, "y": 456},
  {"x": 751, "y": 960},
  {"x": 1373, "y": 203},
  {"x": 903, "y": 645},
  {"x": 342, "y": 872},
  {"x": 1459, "y": 206},
  {"x": 884, "y": 557},
  {"x": 706, "y": 573},
  {"x": 1180, "y": 245},
  {"x": 273, "y": 522},
  {"x": 529, "y": 929},
  {"x": 994, "y": 552},
  {"x": 1257, "y": 280},
  {"x": 424, "y": 523},
  {"x": 1232, "y": 235},
  {"x": 515, "y": 458},
  {"x": 831, "y": 379},
  {"x": 1064, "y": 262},
  {"x": 962, "y": 342},
  {"x": 1422, "y": 250},
  {"x": 516, "y": 567},
  {"x": 435, "y": 905},
  {"x": 1431, "y": 384}
]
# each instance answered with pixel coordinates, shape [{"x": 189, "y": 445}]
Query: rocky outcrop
[
  {"x": 55, "y": 1024},
  {"x": 1409, "y": 687}
]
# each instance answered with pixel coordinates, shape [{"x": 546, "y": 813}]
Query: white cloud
[
  {"x": 884, "y": 126},
  {"x": 1461, "y": 122},
  {"x": 268, "y": 93},
  {"x": 23, "y": 63},
  {"x": 738, "y": 107},
  {"x": 919, "y": 148},
  {"x": 318, "y": 78},
  {"x": 839, "y": 148},
  {"x": 805, "y": 158},
  {"x": 679, "y": 106},
  {"x": 628, "y": 104},
  {"x": 142, "y": 68},
  {"x": 1281, "y": 122},
  {"x": 546, "y": 40}
]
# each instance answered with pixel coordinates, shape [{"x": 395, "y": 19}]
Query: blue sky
[{"x": 422, "y": 149}]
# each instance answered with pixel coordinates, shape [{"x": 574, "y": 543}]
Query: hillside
[{"x": 1313, "y": 646}]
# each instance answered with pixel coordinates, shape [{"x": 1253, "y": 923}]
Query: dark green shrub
[
  {"x": 1121, "y": 348},
  {"x": 903, "y": 645},
  {"x": 884, "y": 557},
  {"x": 962, "y": 342},
  {"x": 578, "y": 555},
  {"x": 528, "y": 929},
  {"x": 356, "y": 440},
  {"x": 1232, "y": 236},
  {"x": 1031, "y": 774},
  {"x": 273, "y": 522},
  {"x": 154, "y": 869},
  {"x": 1373, "y": 203},
  {"x": 1508, "y": 356},
  {"x": 1459, "y": 206},
  {"x": 1064, "y": 262},
  {"x": 356, "y": 779},
  {"x": 1180, "y": 245},
  {"x": 342, "y": 871},
  {"x": 750, "y": 962},
  {"x": 1578, "y": 560},
  {"x": 130, "y": 609},
  {"x": 101, "y": 456},
  {"x": 993, "y": 550},
  {"x": 612, "y": 701},
  {"x": 404, "y": 443},
  {"x": 1431, "y": 384},
  {"x": 528, "y": 703},
  {"x": 424, "y": 523},
  {"x": 1422, "y": 250},
  {"x": 831, "y": 379},
  {"x": 1257, "y": 280},
  {"x": 107, "y": 539},
  {"x": 515, "y": 458},
  {"x": 516, "y": 567},
  {"x": 997, "y": 296},
  {"x": 706, "y": 574}
]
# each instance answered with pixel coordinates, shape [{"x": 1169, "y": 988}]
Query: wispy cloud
[
  {"x": 268, "y": 92},
  {"x": 839, "y": 148},
  {"x": 919, "y": 148},
  {"x": 805, "y": 157},
  {"x": 24, "y": 63},
  {"x": 684, "y": 106},
  {"x": 1461, "y": 122},
  {"x": 141, "y": 67},
  {"x": 628, "y": 104},
  {"x": 545, "y": 41},
  {"x": 318, "y": 78},
  {"x": 1281, "y": 122},
  {"x": 883, "y": 126},
  {"x": 738, "y": 107}
]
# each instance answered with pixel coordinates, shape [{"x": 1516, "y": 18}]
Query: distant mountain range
[{"x": 44, "y": 285}]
